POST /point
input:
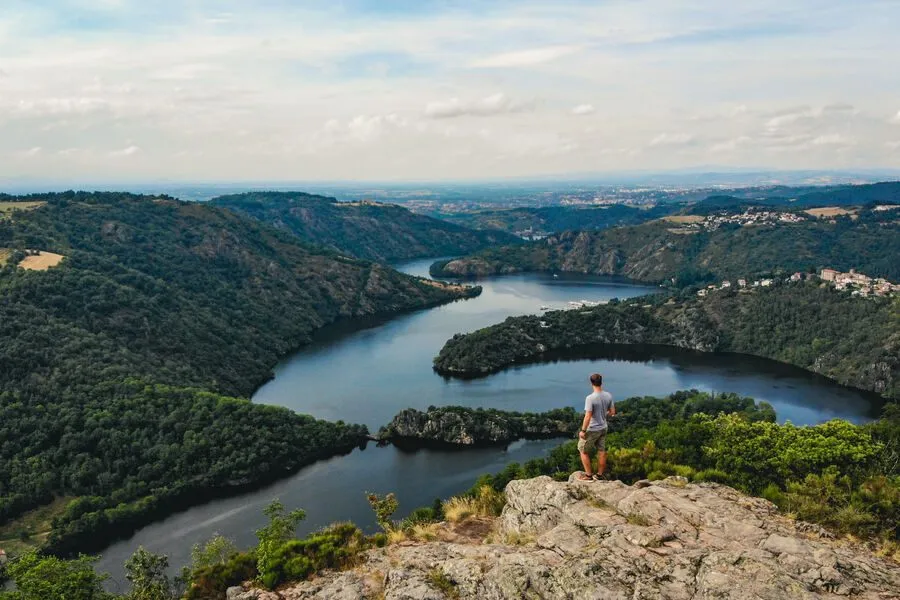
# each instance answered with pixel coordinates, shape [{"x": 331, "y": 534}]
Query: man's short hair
[{"x": 597, "y": 379}]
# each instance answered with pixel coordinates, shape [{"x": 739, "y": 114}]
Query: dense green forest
[
  {"x": 118, "y": 367},
  {"x": 854, "y": 341},
  {"x": 845, "y": 477},
  {"x": 665, "y": 252},
  {"x": 379, "y": 232}
]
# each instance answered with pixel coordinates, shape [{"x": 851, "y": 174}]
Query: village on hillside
[{"x": 857, "y": 283}]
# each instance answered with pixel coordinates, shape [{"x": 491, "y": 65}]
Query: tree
[
  {"x": 147, "y": 573},
  {"x": 280, "y": 529},
  {"x": 39, "y": 577}
]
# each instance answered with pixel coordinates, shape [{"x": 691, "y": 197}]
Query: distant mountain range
[{"x": 368, "y": 230}]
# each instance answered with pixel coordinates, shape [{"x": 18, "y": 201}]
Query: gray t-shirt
[{"x": 598, "y": 403}]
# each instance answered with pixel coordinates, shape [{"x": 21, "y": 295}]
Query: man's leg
[
  {"x": 601, "y": 453},
  {"x": 601, "y": 462},
  {"x": 585, "y": 448},
  {"x": 586, "y": 462}
]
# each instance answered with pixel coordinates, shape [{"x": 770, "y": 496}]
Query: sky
[{"x": 290, "y": 90}]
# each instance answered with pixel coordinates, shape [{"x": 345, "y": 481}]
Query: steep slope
[
  {"x": 116, "y": 366},
  {"x": 662, "y": 250},
  {"x": 852, "y": 340},
  {"x": 380, "y": 232},
  {"x": 663, "y": 539}
]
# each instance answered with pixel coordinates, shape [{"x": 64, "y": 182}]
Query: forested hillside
[
  {"x": 852, "y": 340},
  {"x": 663, "y": 250},
  {"x": 380, "y": 232},
  {"x": 118, "y": 365}
]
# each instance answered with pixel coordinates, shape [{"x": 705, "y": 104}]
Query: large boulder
[{"x": 593, "y": 540}]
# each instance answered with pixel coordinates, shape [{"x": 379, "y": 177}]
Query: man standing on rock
[{"x": 597, "y": 407}]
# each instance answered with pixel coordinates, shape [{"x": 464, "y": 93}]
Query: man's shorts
[{"x": 592, "y": 441}]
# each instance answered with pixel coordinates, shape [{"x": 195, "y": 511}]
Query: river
[{"x": 366, "y": 372}]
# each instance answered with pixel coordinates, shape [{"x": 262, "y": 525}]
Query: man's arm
[
  {"x": 585, "y": 423},
  {"x": 612, "y": 410},
  {"x": 588, "y": 411}
]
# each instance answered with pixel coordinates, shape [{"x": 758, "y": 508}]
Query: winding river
[{"x": 366, "y": 372}]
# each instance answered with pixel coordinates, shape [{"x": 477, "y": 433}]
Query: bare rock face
[{"x": 593, "y": 540}]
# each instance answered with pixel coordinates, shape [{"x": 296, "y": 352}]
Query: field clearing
[
  {"x": 453, "y": 287},
  {"x": 684, "y": 219},
  {"x": 829, "y": 211},
  {"x": 41, "y": 262},
  {"x": 32, "y": 528},
  {"x": 682, "y": 231},
  {"x": 11, "y": 207},
  {"x": 4, "y": 255}
]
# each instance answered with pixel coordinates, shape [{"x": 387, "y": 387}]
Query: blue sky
[{"x": 389, "y": 89}]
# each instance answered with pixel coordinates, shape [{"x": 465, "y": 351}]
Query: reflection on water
[{"x": 366, "y": 372}]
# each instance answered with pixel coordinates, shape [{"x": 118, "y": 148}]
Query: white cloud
[
  {"x": 494, "y": 104},
  {"x": 896, "y": 118},
  {"x": 895, "y": 145},
  {"x": 732, "y": 144},
  {"x": 831, "y": 139},
  {"x": 124, "y": 152},
  {"x": 525, "y": 58},
  {"x": 31, "y": 152},
  {"x": 584, "y": 109},
  {"x": 672, "y": 139},
  {"x": 43, "y": 107}
]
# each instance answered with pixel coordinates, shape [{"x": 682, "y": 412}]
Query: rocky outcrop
[
  {"x": 661, "y": 540},
  {"x": 462, "y": 426}
]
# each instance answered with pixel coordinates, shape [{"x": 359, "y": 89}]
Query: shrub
[
  {"x": 713, "y": 475},
  {"x": 211, "y": 581}
]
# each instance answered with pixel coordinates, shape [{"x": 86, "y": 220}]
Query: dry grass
[
  {"x": 459, "y": 508},
  {"x": 637, "y": 519},
  {"x": 488, "y": 502},
  {"x": 427, "y": 532},
  {"x": 684, "y": 219},
  {"x": 5, "y": 253},
  {"x": 7, "y": 208},
  {"x": 829, "y": 211},
  {"x": 395, "y": 536},
  {"x": 41, "y": 262},
  {"x": 519, "y": 539}
]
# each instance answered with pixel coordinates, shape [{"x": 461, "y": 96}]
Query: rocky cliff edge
[{"x": 592, "y": 540}]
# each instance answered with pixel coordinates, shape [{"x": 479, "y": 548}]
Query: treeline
[
  {"x": 845, "y": 477},
  {"x": 663, "y": 252},
  {"x": 379, "y": 232},
  {"x": 851, "y": 340},
  {"x": 116, "y": 365}
]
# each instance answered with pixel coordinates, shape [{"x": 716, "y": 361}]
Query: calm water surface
[{"x": 367, "y": 372}]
